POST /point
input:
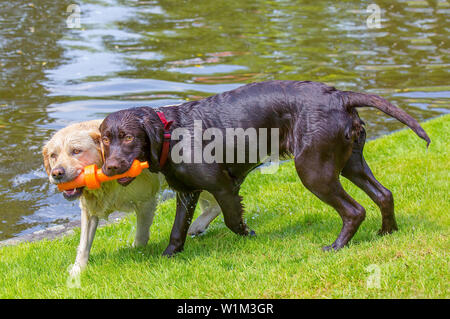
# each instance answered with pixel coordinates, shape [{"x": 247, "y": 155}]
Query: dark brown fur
[{"x": 318, "y": 125}]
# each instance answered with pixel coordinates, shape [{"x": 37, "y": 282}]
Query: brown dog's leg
[
  {"x": 318, "y": 165},
  {"x": 357, "y": 171},
  {"x": 230, "y": 203},
  {"x": 332, "y": 193},
  {"x": 186, "y": 203}
]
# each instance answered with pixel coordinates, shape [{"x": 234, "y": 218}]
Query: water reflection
[{"x": 130, "y": 53}]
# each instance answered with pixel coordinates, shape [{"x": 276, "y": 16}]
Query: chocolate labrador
[{"x": 316, "y": 124}]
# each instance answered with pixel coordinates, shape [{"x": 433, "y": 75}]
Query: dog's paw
[
  {"x": 171, "y": 250},
  {"x": 332, "y": 247},
  {"x": 387, "y": 230},
  {"x": 383, "y": 232},
  {"x": 75, "y": 270},
  {"x": 196, "y": 229},
  {"x": 139, "y": 244},
  {"x": 248, "y": 232}
]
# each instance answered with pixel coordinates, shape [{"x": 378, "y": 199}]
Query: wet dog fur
[{"x": 318, "y": 125}]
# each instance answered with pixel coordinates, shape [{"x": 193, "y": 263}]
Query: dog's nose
[
  {"x": 112, "y": 167},
  {"x": 58, "y": 173}
]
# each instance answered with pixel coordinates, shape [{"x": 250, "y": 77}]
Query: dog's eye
[
  {"x": 76, "y": 151},
  {"x": 105, "y": 140},
  {"x": 53, "y": 155},
  {"x": 128, "y": 138}
]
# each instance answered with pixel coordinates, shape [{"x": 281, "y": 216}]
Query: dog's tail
[{"x": 354, "y": 99}]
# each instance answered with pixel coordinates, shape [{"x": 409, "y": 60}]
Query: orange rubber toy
[{"x": 92, "y": 177}]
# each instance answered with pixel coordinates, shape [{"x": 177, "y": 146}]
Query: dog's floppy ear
[
  {"x": 155, "y": 132},
  {"x": 96, "y": 137},
  {"x": 46, "y": 160}
]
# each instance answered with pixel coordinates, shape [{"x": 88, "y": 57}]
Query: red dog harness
[{"x": 166, "y": 142}]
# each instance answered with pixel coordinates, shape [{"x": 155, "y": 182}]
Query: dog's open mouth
[
  {"x": 124, "y": 181},
  {"x": 72, "y": 194}
]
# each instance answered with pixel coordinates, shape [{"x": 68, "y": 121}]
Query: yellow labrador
[{"x": 78, "y": 145}]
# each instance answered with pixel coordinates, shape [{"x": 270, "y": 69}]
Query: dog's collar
[{"x": 166, "y": 142}]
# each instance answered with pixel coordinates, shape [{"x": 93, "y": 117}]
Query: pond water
[{"x": 131, "y": 53}]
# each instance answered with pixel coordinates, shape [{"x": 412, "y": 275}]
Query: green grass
[{"x": 285, "y": 260}]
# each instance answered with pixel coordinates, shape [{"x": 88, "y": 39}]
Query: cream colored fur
[{"x": 140, "y": 196}]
